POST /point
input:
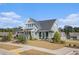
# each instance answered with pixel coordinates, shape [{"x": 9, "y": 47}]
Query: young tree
[
  {"x": 9, "y": 36},
  {"x": 57, "y": 37}
]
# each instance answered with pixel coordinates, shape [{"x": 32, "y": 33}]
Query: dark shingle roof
[{"x": 46, "y": 24}]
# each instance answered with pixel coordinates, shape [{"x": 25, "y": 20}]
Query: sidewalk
[{"x": 6, "y": 52}]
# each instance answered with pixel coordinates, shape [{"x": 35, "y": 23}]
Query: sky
[{"x": 16, "y": 14}]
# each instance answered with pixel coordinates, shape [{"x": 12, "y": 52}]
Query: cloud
[
  {"x": 72, "y": 20},
  {"x": 10, "y": 15},
  {"x": 9, "y": 19}
]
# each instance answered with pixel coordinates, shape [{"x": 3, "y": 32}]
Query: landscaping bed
[
  {"x": 8, "y": 47},
  {"x": 34, "y": 52},
  {"x": 44, "y": 44}
]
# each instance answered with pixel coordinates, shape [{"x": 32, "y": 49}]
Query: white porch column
[
  {"x": 41, "y": 35},
  {"x": 44, "y": 35}
]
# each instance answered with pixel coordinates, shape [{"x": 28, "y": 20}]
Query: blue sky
[{"x": 13, "y": 15}]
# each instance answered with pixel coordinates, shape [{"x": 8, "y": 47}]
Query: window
[
  {"x": 29, "y": 25},
  {"x": 32, "y": 25},
  {"x": 26, "y": 25},
  {"x": 35, "y": 33}
]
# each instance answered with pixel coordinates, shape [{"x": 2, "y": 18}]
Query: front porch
[{"x": 45, "y": 35}]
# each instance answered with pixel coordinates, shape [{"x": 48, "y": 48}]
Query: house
[
  {"x": 74, "y": 35},
  {"x": 42, "y": 30},
  {"x": 4, "y": 34}
]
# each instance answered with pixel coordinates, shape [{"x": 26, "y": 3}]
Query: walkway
[
  {"x": 6, "y": 52},
  {"x": 62, "y": 51}
]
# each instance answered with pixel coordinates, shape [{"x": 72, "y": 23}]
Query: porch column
[{"x": 44, "y": 35}]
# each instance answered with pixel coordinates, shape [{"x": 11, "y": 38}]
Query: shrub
[
  {"x": 62, "y": 42},
  {"x": 57, "y": 37},
  {"x": 4, "y": 38},
  {"x": 70, "y": 45},
  {"x": 21, "y": 39},
  {"x": 74, "y": 45},
  {"x": 7, "y": 38}
]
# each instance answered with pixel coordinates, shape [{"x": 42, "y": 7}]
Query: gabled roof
[
  {"x": 46, "y": 24},
  {"x": 31, "y": 20},
  {"x": 43, "y": 25}
]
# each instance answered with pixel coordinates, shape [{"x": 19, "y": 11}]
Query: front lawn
[
  {"x": 8, "y": 47},
  {"x": 34, "y": 52},
  {"x": 44, "y": 44}
]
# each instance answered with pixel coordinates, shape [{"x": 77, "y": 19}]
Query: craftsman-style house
[{"x": 40, "y": 29}]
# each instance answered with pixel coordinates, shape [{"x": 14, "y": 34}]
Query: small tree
[
  {"x": 57, "y": 37},
  {"x": 9, "y": 36},
  {"x": 21, "y": 38}
]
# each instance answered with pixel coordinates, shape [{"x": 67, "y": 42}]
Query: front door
[
  {"x": 43, "y": 36},
  {"x": 46, "y": 35},
  {"x": 39, "y": 35}
]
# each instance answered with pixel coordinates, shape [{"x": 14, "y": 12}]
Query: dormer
[{"x": 30, "y": 23}]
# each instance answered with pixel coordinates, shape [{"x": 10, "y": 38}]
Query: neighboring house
[
  {"x": 4, "y": 34},
  {"x": 74, "y": 35},
  {"x": 41, "y": 29}
]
